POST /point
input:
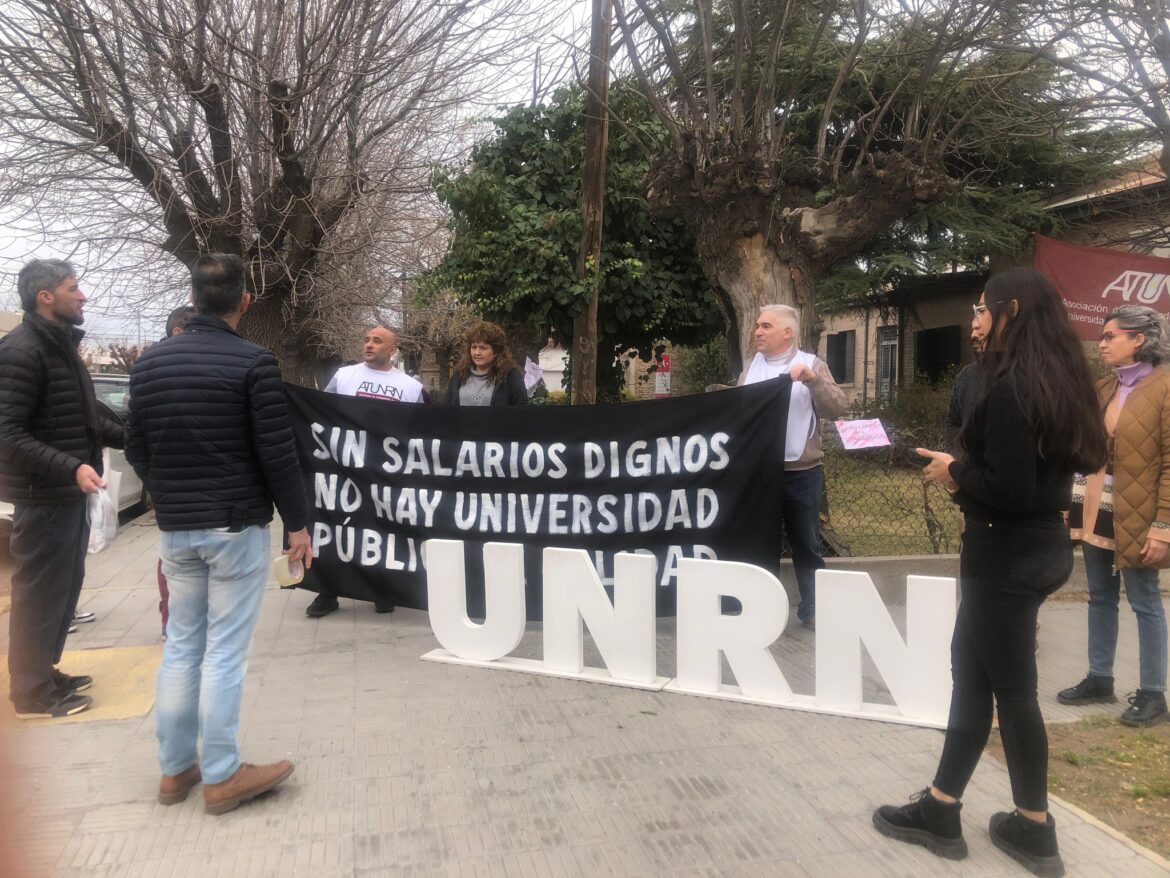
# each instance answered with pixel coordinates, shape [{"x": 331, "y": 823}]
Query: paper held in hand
[{"x": 862, "y": 434}]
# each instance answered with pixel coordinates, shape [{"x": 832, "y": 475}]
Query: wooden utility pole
[{"x": 584, "y": 363}]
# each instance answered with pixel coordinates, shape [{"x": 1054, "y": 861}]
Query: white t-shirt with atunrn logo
[{"x": 393, "y": 385}]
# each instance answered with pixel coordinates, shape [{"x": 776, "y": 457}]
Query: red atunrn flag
[{"x": 1094, "y": 281}]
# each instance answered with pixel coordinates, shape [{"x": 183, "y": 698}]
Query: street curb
[{"x": 1154, "y": 857}]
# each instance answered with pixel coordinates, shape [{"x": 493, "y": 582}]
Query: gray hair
[
  {"x": 41, "y": 274},
  {"x": 786, "y": 313},
  {"x": 1138, "y": 318}
]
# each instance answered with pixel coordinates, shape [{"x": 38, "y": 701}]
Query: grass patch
[
  {"x": 1119, "y": 775},
  {"x": 881, "y": 510}
]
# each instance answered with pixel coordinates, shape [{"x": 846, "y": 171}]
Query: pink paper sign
[{"x": 862, "y": 434}]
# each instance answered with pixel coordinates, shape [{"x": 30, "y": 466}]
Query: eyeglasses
[
  {"x": 979, "y": 310},
  {"x": 1109, "y": 336}
]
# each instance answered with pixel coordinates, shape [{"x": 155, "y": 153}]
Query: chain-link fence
[{"x": 877, "y": 503}]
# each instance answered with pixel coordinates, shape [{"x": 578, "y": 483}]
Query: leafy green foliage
[
  {"x": 693, "y": 368},
  {"x": 516, "y": 221}
]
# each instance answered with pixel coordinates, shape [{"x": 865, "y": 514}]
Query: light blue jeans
[
  {"x": 1141, "y": 588},
  {"x": 216, "y": 581}
]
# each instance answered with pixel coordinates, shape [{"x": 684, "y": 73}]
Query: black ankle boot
[
  {"x": 1028, "y": 842},
  {"x": 926, "y": 821},
  {"x": 1091, "y": 690}
]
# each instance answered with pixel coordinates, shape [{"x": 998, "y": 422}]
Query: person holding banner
[
  {"x": 376, "y": 377},
  {"x": 815, "y": 395},
  {"x": 486, "y": 374},
  {"x": 1036, "y": 425},
  {"x": 1121, "y": 514}
]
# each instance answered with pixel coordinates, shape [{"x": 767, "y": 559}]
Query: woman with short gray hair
[{"x": 1121, "y": 515}]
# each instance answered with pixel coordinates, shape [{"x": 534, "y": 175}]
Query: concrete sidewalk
[{"x": 407, "y": 767}]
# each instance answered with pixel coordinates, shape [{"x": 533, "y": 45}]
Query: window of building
[
  {"x": 937, "y": 352},
  {"x": 887, "y": 339},
  {"x": 840, "y": 354}
]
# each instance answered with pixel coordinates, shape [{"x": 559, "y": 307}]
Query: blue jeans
[
  {"x": 1141, "y": 587},
  {"x": 800, "y": 504},
  {"x": 216, "y": 580}
]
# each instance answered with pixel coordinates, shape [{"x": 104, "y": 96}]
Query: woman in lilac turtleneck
[{"x": 1121, "y": 515}]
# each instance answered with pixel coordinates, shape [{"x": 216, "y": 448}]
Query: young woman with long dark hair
[
  {"x": 486, "y": 373},
  {"x": 1035, "y": 426}
]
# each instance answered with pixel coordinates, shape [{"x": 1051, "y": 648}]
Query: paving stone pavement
[{"x": 406, "y": 767}]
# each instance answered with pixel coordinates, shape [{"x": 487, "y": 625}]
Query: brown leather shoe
[
  {"x": 173, "y": 789},
  {"x": 248, "y": 782}
]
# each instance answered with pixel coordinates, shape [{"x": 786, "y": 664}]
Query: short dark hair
[
  {"x": 178, "y": 318},
  {"x": 41, "y": 274},
  {"x": 217, "y": 282}
]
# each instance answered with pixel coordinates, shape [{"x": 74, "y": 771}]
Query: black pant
[
  {"x": 48, "y": 552},
  {"x": 1006, "y": 570}
]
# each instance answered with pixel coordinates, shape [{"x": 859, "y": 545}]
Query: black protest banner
[{"x": 694, "y": 477}]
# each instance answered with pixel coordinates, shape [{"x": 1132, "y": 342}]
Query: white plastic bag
[{"x": 103, "y": 512}]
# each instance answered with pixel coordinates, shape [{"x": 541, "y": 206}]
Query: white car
[{"x": 113, "y": 391}]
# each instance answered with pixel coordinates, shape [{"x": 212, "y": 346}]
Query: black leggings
[{"x": 1006, "y": 570}]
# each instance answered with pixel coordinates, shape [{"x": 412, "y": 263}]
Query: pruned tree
[
  {"x": 299, "y": 136},
  {"x": 1120, "y": 51},
  {"x": 804, "y": 134},
  {"x": 126, "y": 355}
]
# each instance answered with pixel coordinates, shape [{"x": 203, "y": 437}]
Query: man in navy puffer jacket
[
  {"x": 51, "y": 437},
  {"x": 209, "y": 434}
]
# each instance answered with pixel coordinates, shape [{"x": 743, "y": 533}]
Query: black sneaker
[
  {"x": 383, "y": 607},
  {"x": 1146, "y": 708},
  {"x": 1091, "y": 690},
  {"x": 83, "y": 617},
  {"x": 53, "y": 706},
  {"x": 935, "y": 825},
  {"x": 1029, "y": 843},
  {"x": 66, "y": 683},
  {"x": 323, "y": 605}
]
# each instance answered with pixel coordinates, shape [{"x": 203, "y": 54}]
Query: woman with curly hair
[
  {"x": 486, "y": 374},
  {"x": 1121, "y": 514}
]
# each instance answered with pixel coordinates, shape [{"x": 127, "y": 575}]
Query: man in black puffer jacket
[
  {"x": 51, "y": 438},
  {"x": 210, "y": 436}
]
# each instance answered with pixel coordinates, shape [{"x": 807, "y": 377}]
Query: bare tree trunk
[
  {"x": 584, "y": 363},
  {"x": 265, "y": 324},
  {"x": 750, "y": 272}
]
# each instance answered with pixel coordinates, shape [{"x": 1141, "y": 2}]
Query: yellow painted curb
[{"x": 123, "y": 683}]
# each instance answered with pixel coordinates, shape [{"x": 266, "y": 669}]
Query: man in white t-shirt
[
  {"x": 374, "y": 378},
  {"x": 815, "y": 395}
]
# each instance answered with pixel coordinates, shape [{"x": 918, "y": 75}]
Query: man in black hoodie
[
  {"x": 209, "y": 434},
  {"x": 51, "y": 438}
]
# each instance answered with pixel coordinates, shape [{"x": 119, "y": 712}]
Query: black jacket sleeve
[
  {"x": 273, "y": 442},
  {"x": 452, "y": 397},
  {"x": 517, "y": 393},
  {"x": 21, "y": 379},
  {"x": 1007, "y": 476},
  {"x": 113, "y": 434},
  {"x": 136, "y": 454}
]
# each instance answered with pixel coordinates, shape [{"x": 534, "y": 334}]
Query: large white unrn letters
[
  {"x": 704, "y": 632},
  {"x": 574, "y": 598},
  {"x": 850, "y": 612},
  {"x": 503, "y": 625}
]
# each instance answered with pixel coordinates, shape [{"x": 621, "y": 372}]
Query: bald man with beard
[{"x": 375, "y": 377}]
